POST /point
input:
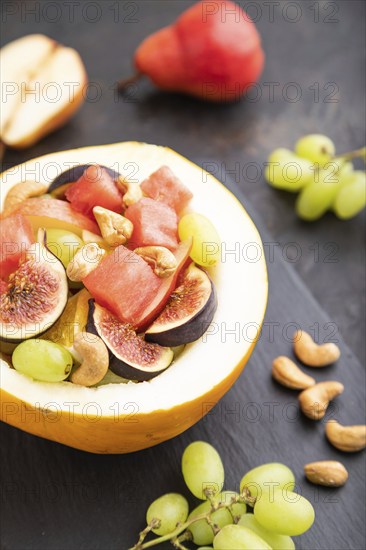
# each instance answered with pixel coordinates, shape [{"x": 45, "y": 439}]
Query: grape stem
[
  {"x": 154, "y": 524},
  {"x": 174, "y": 535},
  {"x": 353, "y": 154},
  {"x": 176, "y": 542}
]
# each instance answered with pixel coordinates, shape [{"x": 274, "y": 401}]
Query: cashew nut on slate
[
  {"x": 312, "y": 354},
  {"x": 287, "y": 373},
  {"x": 314, "y": 401},
  {"x": 346, "y": 438}
]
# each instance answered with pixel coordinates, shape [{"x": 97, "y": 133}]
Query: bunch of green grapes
[
  {"x": 325, "y": 181},
  {"x": 223, "y": 519}
]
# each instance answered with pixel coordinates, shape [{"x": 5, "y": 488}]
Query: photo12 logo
[{"x": 70, "y": 11}]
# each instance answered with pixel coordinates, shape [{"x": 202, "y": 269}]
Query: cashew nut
[
  {"x": 115, "y": 229},
  {"x": 162, "y": 261},
  {"x": 312, "y": 354},
  {"x": 85, "y": 260},
  {"x": 131, "y": 191},
  {"x": 95, "y": 359},
  {"x": 314, "y": 401},
  {"x": 21, "y": 191},
  {"x": 330, "y": 473},
  {"x": 346, "y": 438},
  {"x": 89, "y": 237},
  {"x": 287, "y": 373}
]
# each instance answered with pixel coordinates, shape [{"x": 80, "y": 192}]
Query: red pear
[{"x": 212, "y": 51}]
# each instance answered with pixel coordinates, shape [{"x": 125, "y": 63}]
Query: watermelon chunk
[
  {"x": 16, "y": 234},
  {"x": 94, "y": 188},
  {"x": 48, "y": 212},
  {"x": 163, "y": 185},
  {"x": 154, "y": 224},
  {"x": 123, "y": 283},
  {"x": 127, "y": 286}
]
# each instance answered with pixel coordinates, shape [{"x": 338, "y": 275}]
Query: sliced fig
[
  {"x": 167, "y": 286},
  {"x": 188, "y": 313},
  {"x": 74, "y": 173},
  {"x": 130, "y": 356},
  {"x": 36, "y": 295}
]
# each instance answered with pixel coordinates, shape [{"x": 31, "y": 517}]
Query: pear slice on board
[{"x": 42, "y": 86}]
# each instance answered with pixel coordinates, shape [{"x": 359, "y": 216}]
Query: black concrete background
[{"x": 54, "y": 497}]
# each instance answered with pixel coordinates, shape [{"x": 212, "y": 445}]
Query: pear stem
[{"x": 123, "y": 84}]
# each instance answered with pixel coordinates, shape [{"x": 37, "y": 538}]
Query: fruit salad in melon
[{"x": 119, "y": 294}]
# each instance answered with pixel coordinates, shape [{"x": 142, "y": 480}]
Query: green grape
[
  {"x": 170, "y": 509},
  {"x": 204, "y": 548},
  {"x": 287, "y": 171},
  {"x": 316, "y": 148},
  {"x": 237, "y": 537},
  {"x": 42, "y": 360},
  {"x": 63, "y": 244},
  {"x": 317, "y": 197},
  {"x": 202, "y": 469},
  {"x": 275, "y": 541},
  {"x": 351, "y": 198},
  {"x": 284, "y": 512},
  {"x": 345, "y": 168},
  {"x": 272, "y": 475},
  {"x": 206, "y": 241},
  {"x": 201, "y": 531}
]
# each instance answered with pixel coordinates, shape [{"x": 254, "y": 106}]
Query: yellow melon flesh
[
  {"x": 72, "y": 321},
  {"x": 121, "y": 418}
]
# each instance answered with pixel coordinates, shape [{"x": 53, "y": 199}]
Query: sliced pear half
[{"x": 42, "y": 85}]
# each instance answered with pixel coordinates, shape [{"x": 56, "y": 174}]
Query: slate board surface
[
  {"x": 67, "y": 499},
  {"x": 313, "y": 81},
  {"x": 57, "y": 498}
]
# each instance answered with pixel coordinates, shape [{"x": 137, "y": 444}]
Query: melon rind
[{"x": 121, "y": 418}]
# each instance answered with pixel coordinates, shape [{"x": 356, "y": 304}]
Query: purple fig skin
[
  {"x": 74, "y": 173},
  {"x": 116, "y": 364},
  {"x": 187, "y": 332}
]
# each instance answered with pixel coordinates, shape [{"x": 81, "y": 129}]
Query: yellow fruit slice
[
  {"x": 72, "y": 321},
  {"x": 122, "y": 418}
]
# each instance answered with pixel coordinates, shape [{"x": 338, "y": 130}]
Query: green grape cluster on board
[
  {"x": 323, "y": 180},
  {"x": 223, "y": 520}
]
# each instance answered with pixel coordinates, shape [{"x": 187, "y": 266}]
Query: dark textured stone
[{"x": 54, "y": 497}]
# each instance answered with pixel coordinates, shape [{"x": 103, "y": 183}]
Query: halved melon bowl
[{"x": 126, "y": 417}]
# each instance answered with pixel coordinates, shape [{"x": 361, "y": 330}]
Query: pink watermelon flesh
[
  {"x": 154, "y": 224},
  {"x": 123, "y": 283},
  {"x": 163, "y": 185}
]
